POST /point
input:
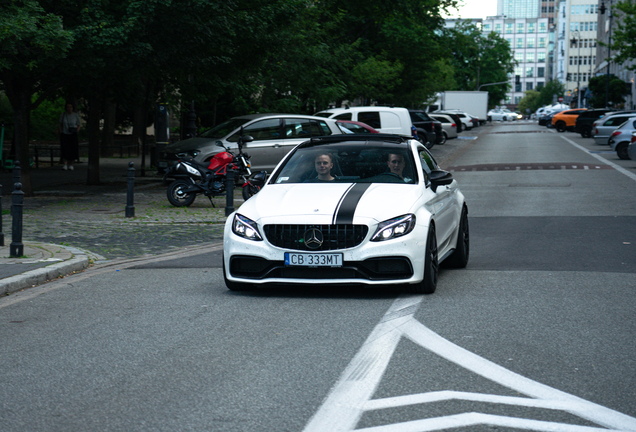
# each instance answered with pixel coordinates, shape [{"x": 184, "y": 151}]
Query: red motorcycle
[{"x": 193, "y": 177}]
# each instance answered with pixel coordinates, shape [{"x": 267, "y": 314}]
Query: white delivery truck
[{"x": 474, "y": 103}]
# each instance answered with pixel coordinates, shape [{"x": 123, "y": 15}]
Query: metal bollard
[
  {"x": 16, "y": 249},
  {"x": 130, "y": 207},
  {"x": 1, "y": 232},
  {"x": 229, "y": 192},
  {"x": 17, "y": 172}
]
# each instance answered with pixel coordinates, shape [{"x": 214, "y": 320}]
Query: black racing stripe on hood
[{"x": 348, "y": 203}]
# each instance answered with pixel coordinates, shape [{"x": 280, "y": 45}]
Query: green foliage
[
  {"x": 477, "y": 59},
  {"x": 549, "y": 90},
  {"x": 617, "y": 91},
  {"x": 531, "y": 101},
  {"x": 625, "y": 34},
  {"x": 45, "y": 120}
]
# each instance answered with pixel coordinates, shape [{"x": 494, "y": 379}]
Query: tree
[
  {"x": 598, "y": 86},
  {"x": 551, "y": 90},
  {"x": 531, "y": 101},
  {"x": 479, "y": 59},
  {"x": 625, "y": 34},
  {"x": 32, "y": 44}
]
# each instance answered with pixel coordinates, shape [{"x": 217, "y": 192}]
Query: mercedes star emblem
[{"x": 313, "y": 238}]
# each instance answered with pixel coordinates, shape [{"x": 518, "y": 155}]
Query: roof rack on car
[{"x": 359, "y": 137}]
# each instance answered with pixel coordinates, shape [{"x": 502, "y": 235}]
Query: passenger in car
[{"x": 324, "y": 164}]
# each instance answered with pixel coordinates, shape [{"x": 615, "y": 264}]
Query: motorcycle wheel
[
  {"x": 177, "y": 197},
  {"x": 249, "y": 190}
]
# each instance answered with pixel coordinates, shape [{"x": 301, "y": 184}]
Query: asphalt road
[{"x": 536, "y": 334}]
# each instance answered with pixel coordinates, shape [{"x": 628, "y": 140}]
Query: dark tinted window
[
  {"x": 344, "y": 116},
  {"x": 372, "y": 118},
  {"x": 220, "y": 131},
  {"x": 261, "y": 130},
  {"x": 301, "y": 128}
]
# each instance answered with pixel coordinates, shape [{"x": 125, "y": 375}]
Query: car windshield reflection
[{"x": 349, "y": 163}]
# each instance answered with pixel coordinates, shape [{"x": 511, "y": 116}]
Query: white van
[{"x": 383, "y": 119}]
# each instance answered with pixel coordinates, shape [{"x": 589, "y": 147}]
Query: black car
[
  {"x": 546, "y": 119},
  {"x": 585, "y": 121},
  {"x": 425, "y": 124}
]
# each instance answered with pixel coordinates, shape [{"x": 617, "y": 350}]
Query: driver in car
[
  {"x": 324, "y": 164},
  {"x": 396, "y": 165}
]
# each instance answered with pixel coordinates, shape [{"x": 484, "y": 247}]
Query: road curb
[{"x": 78, "y": 262}]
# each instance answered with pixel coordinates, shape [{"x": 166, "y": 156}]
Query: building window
[
  {"x": 529, "y": 72},
  {"x": 517, "y": 99},
  {"x": 518, "y": 87},
  {"x": 519, "y": 42},
  {"x": 539, "y": 85},
  {"x": 509, "y": 28},
  {"x": 530, "y": 57},
  {"x": 541, "y": 42},
  {"x": 497, "y": 28},
  {"x": 486, "y": 28},
  {"x": 519, "y": 27},
  {"x": 509, "y": 40},
  {"x": 519, "y": 56},
  {"x": 540, "y": 72},
  {"x": 541, "y": 57},
  {"x": 531, "y": 28},
  {"x": 543, "y": 28},
  {"x": 528, "y": 86},
  {"x": 530, "y": 42}
]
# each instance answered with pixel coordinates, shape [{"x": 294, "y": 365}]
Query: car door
[
  {"x": 266, "y": 148},
  {"x": 444, "y": 204}
]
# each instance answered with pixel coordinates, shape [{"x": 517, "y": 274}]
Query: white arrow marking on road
[{"x": 351, "y": 396}]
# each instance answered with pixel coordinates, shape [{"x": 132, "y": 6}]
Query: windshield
[
  {"x": 376, "y": 162},
  {"x": 222, "y": 130}
]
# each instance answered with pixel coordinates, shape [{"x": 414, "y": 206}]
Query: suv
[
  {"x": 425, "y": 124},
  {"x": 566, "y": 120},
  {"x": 274, "y": 135},
  {"x": 585, "y": 121}
]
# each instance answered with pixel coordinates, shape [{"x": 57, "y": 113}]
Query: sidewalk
[{"x": 68, "y": 226}]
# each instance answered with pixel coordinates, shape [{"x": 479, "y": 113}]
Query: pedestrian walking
[{"x": 69, "y": 127}]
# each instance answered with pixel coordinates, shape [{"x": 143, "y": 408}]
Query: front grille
[{"x": 335, "y": 237}]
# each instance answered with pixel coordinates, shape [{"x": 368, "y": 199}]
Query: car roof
[
  {"x": 278, "y": 115},
  {"x": 361, "y": 138}
]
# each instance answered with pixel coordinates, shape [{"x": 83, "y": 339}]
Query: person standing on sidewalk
[{"x": 69, "y": 127}]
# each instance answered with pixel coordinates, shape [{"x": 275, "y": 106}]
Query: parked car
[
  {"x": 350, "y": 126},
  {"x": 604, "y": 126},
  {"x": 383, "y": 119},
  {"x": 584, "y": 124},
  {"x": 465, "y": 118},
  {"x": 566, "y": 120},
  {"x": 376, "y": 210},
  {"x": 425, "y": 124},
  {"x": 449, "y": 126},
  {"x": 454, "y": 116},
  {"x": 274, "y": 135},
  {"x": 548, "y": 117},
  {"x": 474, "y": 120},
  {"x": 631, "y": 149},
  {"x": 622, "y": 136},
  {"x": 502, "y": 114}
]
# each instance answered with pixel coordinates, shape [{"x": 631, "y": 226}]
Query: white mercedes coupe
[{"x": 368, "y": 209}]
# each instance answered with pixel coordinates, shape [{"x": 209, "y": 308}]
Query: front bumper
[{"x": 397, "y": 261}]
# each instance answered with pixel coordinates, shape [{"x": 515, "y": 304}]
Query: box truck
[{"x": 474, "y": 103}]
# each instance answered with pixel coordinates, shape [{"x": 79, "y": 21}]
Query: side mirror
[
  {"x": 219, "y": 144},
  {"x": 247, "y": 138},
  {"x": 440, "y": 178}
]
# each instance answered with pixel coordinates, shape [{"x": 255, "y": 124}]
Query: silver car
[
  {"x": 631, "y": 149},
  {"x": 603, "y": 127},
  {"x": 449, "y": 128},
  {"x": 274, "y": 135},
  {"x": 622, "y": 136}
]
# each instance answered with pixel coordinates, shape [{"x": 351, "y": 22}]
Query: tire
[
  {"x": 431, "y": 267},
  {"x": 176, "y": 196},
  {"x": 560, "y": 126},
  {"x": 249, "y": 190},
  {"x": 586, "y": 132},
  {"x": 444, "y": 138},
  {"x": 234, "y": 286},
  {"x": 621, "y": 150},
  {"x": 505, "y": 119},
  {"x": 459, "y": 258}
]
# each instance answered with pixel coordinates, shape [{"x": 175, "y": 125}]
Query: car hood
[
  {"x": 189, "y": 144},
  {"x": 330, "y": 203}
]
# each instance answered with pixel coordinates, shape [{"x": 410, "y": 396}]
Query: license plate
[{"x": 313, "y": 259}]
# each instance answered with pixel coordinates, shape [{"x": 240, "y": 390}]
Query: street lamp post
[
  {"x": 602, "y": 10},
  {"x": 576, "y": 40}
]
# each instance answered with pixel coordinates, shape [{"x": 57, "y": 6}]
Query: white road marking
[
  {"x": 351, "y": 395},
  {"x": 602, "y": 159}
]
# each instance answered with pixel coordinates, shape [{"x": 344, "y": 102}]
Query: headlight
[
  {"x": 246, "y": 228},
  {"x": 393, "y": 228}
]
